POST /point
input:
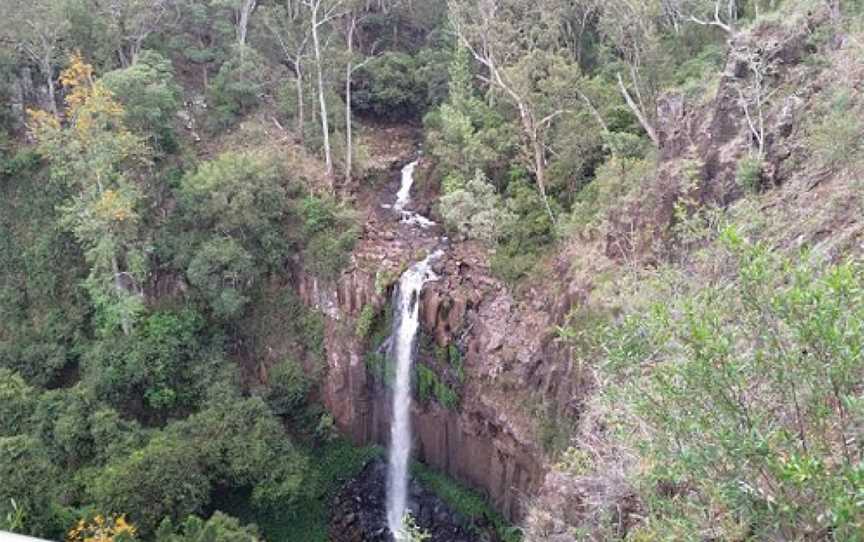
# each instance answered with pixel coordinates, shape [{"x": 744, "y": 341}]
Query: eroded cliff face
[{"x": 488, "y": 440}]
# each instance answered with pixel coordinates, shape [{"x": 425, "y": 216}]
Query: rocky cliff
[{"x": 488, "y": 440}]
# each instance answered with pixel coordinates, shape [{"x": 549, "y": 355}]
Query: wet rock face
[{"x": 360, "y": 511}]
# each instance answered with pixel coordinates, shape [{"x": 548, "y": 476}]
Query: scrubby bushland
[{"x": 743, "y": 396}]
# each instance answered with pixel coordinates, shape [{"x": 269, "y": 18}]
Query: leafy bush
[
  {"x": 330, "y": 235},
  {"x": 476, "y": 212},
  {"x": 237, "y": 87},
  {"x": 222, "y": 271},
  {"x": 749, "y": 174},
  {"x": 163, "y": 366},
  {"x": 29, "y": 482},
  {"x": 365, "y": 321},
  {"x": 287, "y": 388},
  {"x": 387, "y": 87},
  {"x": 837, "y": 138},
  {"x": 473, "y": 507},
  {"x": 150, "y": 97},
  {"x": 741, "y": 398},
  {"x": 219, "y": 528},
  {"x": 161, "y": 480}
]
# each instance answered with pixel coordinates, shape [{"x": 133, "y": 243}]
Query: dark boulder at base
[{"x": 359, "y": 511}]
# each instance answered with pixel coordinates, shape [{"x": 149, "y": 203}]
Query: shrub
[
  {"x": 237, "y": 87},
  {"x": 219, "y": 528},
  {"x": 222, "y": 271},
  {"x": 475, "y": 212},
  {"x": 163, "y": 479},
  {"x": 837, "y": 139},
  {"x": 740, "y": 399},
  {"x": 365, "y": 321},
  {"x": 749, "y": 174},
  {"x": 329, "y": 235},
  {"x": 150, "y": 97},
  {"x": 387, "y": 87},
  {"x": 163, "y": 366},
  {"x": 287, "y": 388}
]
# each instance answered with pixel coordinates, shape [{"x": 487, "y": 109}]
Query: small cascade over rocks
[{"x": 403, "y": 199}]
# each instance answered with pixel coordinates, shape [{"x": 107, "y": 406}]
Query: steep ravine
[{"x": 487, "y": 441}]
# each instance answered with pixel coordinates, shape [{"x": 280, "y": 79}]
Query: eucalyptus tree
[
  {"x": 133, "y": 21},
  {"x": 631, "y": 29},
  {"x": 321, "y": 15},
  {"x": 518, "y": 44},
  {"x": 36, "y": 29},
  {"x": 287, "y": 26},
  {"x": 102, "y": 163}
]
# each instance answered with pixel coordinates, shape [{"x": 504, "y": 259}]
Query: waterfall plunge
[
  {"x": 405, "y": 325},
  {"x": 402, "y": 354}
]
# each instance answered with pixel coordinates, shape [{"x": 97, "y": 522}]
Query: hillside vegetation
[{"x": 686, "y": 174}]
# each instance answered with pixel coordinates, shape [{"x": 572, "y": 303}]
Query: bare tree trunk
[
  {"x": 325, "y": 124},
  {"x": 349, "y": 132},
  {"x": 298, "y": 80},
  {"x": 640, "y": 114},
  {"x": 118, "y": 285},
  {"x": 48, "y": 72},
  {"x": 836, "y": 13},
  {"x": 246, "y": 9}
]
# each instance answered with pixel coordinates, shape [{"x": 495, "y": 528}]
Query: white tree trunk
[
  {"x": 298, "y": 81},
  {"x": 325, "y": 124},
  {"x": 246, "y": 9}
]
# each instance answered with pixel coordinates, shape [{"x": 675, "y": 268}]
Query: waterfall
[
  {"x": 406, "y": 303},
  {"x": 405, "y": 325}
]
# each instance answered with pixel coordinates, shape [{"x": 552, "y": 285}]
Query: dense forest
[{"x": 675, "y": 184}]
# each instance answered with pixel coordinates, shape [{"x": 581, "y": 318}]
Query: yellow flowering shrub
[{"x": 102, "y": 529}]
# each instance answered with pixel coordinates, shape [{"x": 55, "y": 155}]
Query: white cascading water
[{"x": 405, "y": 325}]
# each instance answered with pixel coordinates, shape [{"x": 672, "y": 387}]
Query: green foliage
[
  {"x": 241, "y": 195},
  {"x": 330, "y": 235},
  {"x": 476, "y": 211},
  {"x": 17, "y": 403},
  {"x": 278, "y": 317},
  {"x": 473, "y": 507},
  {"x": 237, "y": 87},
  {"x": 749, "y": 174},
  {"x": 164, "y": 365},
  {"x": 222, "y": 270},
  {"x": 160, "y": 480},
  {"x": 287, "y": 388},
  {"x": 836, "y": 139},
  {"x": 307, "y": 517},
  {"x": 219, "y": 528},
  {"x": 774, "y": 359},
  {"x": 388, "y": 87},
  {"x": 526, "y": 235},
  {"x": 30, "y": 481},
  {"x": 98, "y": 160},
  {"x": 411, "y": 531},
  {"x": 365, "y": 321},
  {"x": 235, "y": 205},
  {"x": 465, "y": 134},
  {"x": 149, "y": 96},
  {"x": 430, "y": 385}
]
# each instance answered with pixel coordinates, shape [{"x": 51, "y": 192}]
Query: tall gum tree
[
  {"x": 101, "y": 163},
  {"x": 36, "y": 28},
  {"x": 517, "y": 42}
]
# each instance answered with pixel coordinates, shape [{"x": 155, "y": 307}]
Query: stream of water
[{"x": 405, "y": 325}]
